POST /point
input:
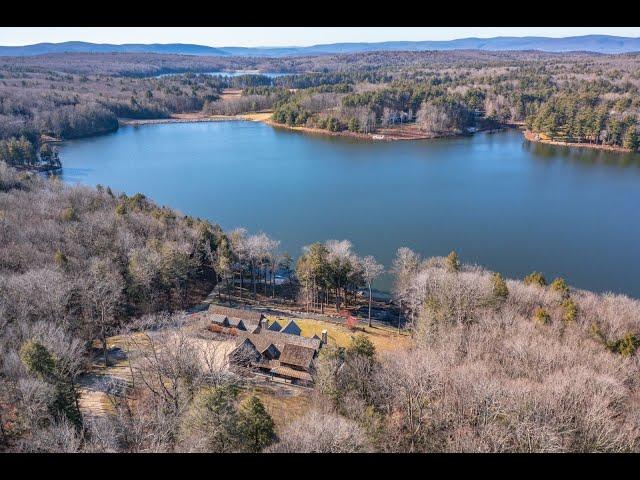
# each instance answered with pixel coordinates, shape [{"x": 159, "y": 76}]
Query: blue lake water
[
  {"x": 498, "y": 200},
  {"x": 231, "y": 74}
]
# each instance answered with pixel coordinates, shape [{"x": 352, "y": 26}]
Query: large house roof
[
  {"x": 297, "y": 355},
  {"x": 246, "y": 315}
]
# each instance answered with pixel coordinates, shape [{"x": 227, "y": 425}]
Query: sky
[{"x": 283, "y": 36}]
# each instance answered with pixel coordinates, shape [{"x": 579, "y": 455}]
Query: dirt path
[{"x": 97, "y": 383}]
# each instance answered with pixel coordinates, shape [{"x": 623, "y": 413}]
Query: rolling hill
[{"x": 589, "y": 43}]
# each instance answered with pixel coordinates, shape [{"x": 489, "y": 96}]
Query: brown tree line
[{"x": 496, "y": 366}]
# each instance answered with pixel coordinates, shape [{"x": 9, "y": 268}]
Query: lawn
[{"x": 384, "y": 338}]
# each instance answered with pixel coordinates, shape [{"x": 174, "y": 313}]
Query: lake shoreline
[
  {"x": 408, "y": 132},
  {"x": 194, "y": 118},
  {"x": 535, "y": 137},
  {"x": 200, "y": 169},
  {"x": 401, "y": 133},
  {"x": 405, "y": 132}
]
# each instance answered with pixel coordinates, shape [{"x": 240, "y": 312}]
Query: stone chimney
[{"x": 324, "y": 337}]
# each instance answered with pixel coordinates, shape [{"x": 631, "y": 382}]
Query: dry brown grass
[
  {"x": 257, "y": 116},
  {"x": 384, "y": 338},
  {"x": 284, "y": 404}
]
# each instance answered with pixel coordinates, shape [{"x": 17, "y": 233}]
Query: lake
[
  {"x": 505, "y": 203},
  {"x": 231, "y": 74}
]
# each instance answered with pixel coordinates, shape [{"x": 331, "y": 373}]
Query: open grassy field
[{"x": 384, "y": 338}]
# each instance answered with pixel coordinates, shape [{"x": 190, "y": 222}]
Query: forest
[
  {"x": 575, "y": 98},
  {"x": 492, "y": 364},
  {"x": 595, "y": 102}
]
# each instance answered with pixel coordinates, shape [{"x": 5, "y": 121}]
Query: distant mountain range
[{"x": 586, "y": 43}]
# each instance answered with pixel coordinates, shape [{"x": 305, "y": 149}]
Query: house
[
  {"x": 264, "y": 337},
  {"x": 282, "y": 355},
  {"x": 291, "y": 328}
]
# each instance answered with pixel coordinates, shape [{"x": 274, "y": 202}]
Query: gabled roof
[
  {"x": 292, "y": 328},
  {"x": 297, "y": 355},
  {"x": 270, "y": 351},
  {"x": 252, "y": 327},
  {"x": 246, "y": 315},
  {"x": 275, "y": 326},
  {"x": 279, "y": 339},
  {"x": 245, "y": 351},
  {"x": 219, "y": 319},
  {"x": 236, "y": 322}
]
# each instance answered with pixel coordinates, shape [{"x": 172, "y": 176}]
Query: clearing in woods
[
  {"x": 384, "y": 338},
  {"x": 98, "y": 382}
]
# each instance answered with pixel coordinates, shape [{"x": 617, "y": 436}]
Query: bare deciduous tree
[{"x": 371, "y": 270}]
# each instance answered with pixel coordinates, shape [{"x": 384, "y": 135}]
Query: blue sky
[{"x": 283, "y": 36}]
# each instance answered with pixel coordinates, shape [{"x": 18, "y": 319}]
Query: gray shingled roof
[
  {"x": 236, "y": 322},
  {"x": 219, "y": 319},
  {"x": 252, "y": 327},
  {"x": 291, "y": 373},
  {"x": 246, "y": 315},
  {"x": 270, "y": 352}
]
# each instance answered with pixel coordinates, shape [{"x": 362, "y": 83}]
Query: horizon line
[{"x": 321, "y": 44}]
